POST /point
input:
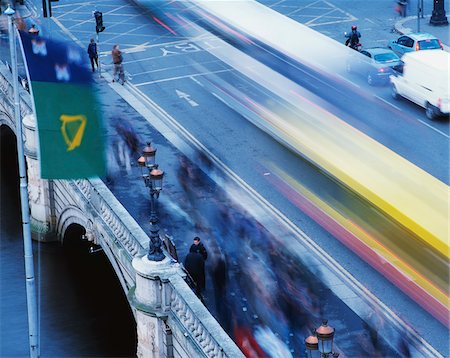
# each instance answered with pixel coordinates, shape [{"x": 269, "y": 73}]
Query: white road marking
[
  {"x": 417, "y": 119},
  {"x": 197, "y": 82},
  {"x": 161, "y": 69},
  {"x": 181, "y": 77},
  {"x": 136, "y": 48},
  {"x": 67, "y": 32},
  {"x": 329, "y": 9},
  {"x": 389, "y": 103},
  {"x": 433, "y": 128},
  {"x": 187, "y": 97}
]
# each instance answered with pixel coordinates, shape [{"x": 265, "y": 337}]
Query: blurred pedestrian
[
  {"x": 186, "y": 178},
  {"x": 195, "y": 266},
  {"x": 198, "y": 247},
  {"x": 401, "y": 7},
  {"x": 118, "y": 64},
  {"x": 129, "y": 136},
  {"x": 93, "y": 55},
  {"x": 219, "y": 275}
]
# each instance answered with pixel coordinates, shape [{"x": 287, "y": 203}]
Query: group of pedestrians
[{"x": 117, "y": 59}]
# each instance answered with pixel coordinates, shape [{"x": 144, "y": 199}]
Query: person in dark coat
[
  {"x": 93, "y": 55},
  {"x": 195, "y": 266},
  {"x": 198, "y": 247}
]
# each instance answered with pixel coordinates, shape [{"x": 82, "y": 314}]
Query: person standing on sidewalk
[
  {"x": 195, "y": 266},
  {"x": 93, "y": 55},
  {"x": 118, "y": 66},
  {"x": 198, "y": 247}
]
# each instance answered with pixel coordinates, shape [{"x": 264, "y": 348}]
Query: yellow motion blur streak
[
  {"x": 412, "y": 197},
  {"x": 367, "y": 239}
]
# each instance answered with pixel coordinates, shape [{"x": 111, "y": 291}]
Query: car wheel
[
  {"x": 394, "y": 92},
  {"x": 370, "y": 79},
  {"x": 430, "y": 111}
]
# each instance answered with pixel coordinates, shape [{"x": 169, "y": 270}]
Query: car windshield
[
  {"x": 386, "y": 57},
  {"x": 429, "y": 44}
]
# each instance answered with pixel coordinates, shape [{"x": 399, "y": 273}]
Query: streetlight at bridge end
[
  {"x": 438, "y": 17},
  {"x": 320, "y": 344},
  {"x": 153, "y": 179}
]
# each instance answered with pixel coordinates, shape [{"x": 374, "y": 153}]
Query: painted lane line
[
  {"x": 161, "y": 69},
  {"x": 417, "y": 119},
  {"x": 388, "y": 103},
  {"x": 181, "y": 77},
  {"x": 433, "y": 128},
  {"x": 68, "y": 33}
]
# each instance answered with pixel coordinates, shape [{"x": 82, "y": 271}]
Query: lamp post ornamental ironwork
[
  {"x": 320, "y": 344},
  {"x": 153, "y": 179}
]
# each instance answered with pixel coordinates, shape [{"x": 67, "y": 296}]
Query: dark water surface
[{"x": 83, "y": 310}]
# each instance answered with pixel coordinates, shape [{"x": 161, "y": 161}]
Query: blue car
[
  {"x": 376, "y": 64},
  {"x": 415, "y": 42}
]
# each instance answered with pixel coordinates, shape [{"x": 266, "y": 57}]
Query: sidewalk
[{"x": 409, "y": 24}]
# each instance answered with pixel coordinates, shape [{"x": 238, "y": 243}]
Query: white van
[{"x": 425, "y": 80}]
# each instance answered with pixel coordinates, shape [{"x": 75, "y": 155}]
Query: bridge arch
[
  {"x": 70, "y": 215},
  {"x": 7, "y": 120}
]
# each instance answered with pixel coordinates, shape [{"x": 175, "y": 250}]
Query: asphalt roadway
[{"x": 211, "y": 121}]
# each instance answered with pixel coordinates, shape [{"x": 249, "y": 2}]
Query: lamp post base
[
  {"x": 156, "y": 256},
  {"x": 438, "y": 17}
]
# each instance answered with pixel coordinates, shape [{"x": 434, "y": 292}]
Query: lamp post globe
[
  {"x": 325, "y": 335},
  {"x": 149, "y": 154},
  {"x": 9, "y": 11},
  {"x": 33, "y": 30},
  {"x": 156, "y": 180},
  {"x": 312, "y": 347}
]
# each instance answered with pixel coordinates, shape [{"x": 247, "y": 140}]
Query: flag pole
[{"x": 27, "y": 243}]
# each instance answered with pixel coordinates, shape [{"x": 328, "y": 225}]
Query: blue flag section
[{"x": 68, "y": 115}]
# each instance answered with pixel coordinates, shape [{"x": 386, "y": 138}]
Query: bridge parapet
[
  {"x": 171, "y": 320},
  {"x": 194, "y": 320},
  {"x": 126, "y": 232}
]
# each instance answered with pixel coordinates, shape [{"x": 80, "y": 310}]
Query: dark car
[{"x": 376, "y": 64}]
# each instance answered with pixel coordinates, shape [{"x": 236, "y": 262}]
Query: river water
[{"x": 83, "y": 311}]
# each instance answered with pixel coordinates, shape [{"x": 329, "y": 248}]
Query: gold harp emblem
[{"x": 68, "y": 128}]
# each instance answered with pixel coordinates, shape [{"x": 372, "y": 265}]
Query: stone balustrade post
[{"x": 151, "y": 300}]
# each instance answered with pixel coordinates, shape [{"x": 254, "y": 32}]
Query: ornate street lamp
[
  {"x": 153, "y": 179},
  {"x": 312, "y": 347},
  {"x": 320, "y": 344},
  {"x": 33, "y": 30}
]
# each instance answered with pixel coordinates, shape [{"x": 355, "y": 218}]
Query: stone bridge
[{"x": 171, "y": 321}]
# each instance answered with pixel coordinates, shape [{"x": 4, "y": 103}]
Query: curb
[{"x": 398, "y": 26}]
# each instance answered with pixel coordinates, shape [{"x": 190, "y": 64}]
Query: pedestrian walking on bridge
[
  {"x": 93, "y": 55},
  {"x": 117, "y": 58}
]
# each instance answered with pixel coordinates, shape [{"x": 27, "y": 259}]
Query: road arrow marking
[{"x": 187, "y": 98}]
